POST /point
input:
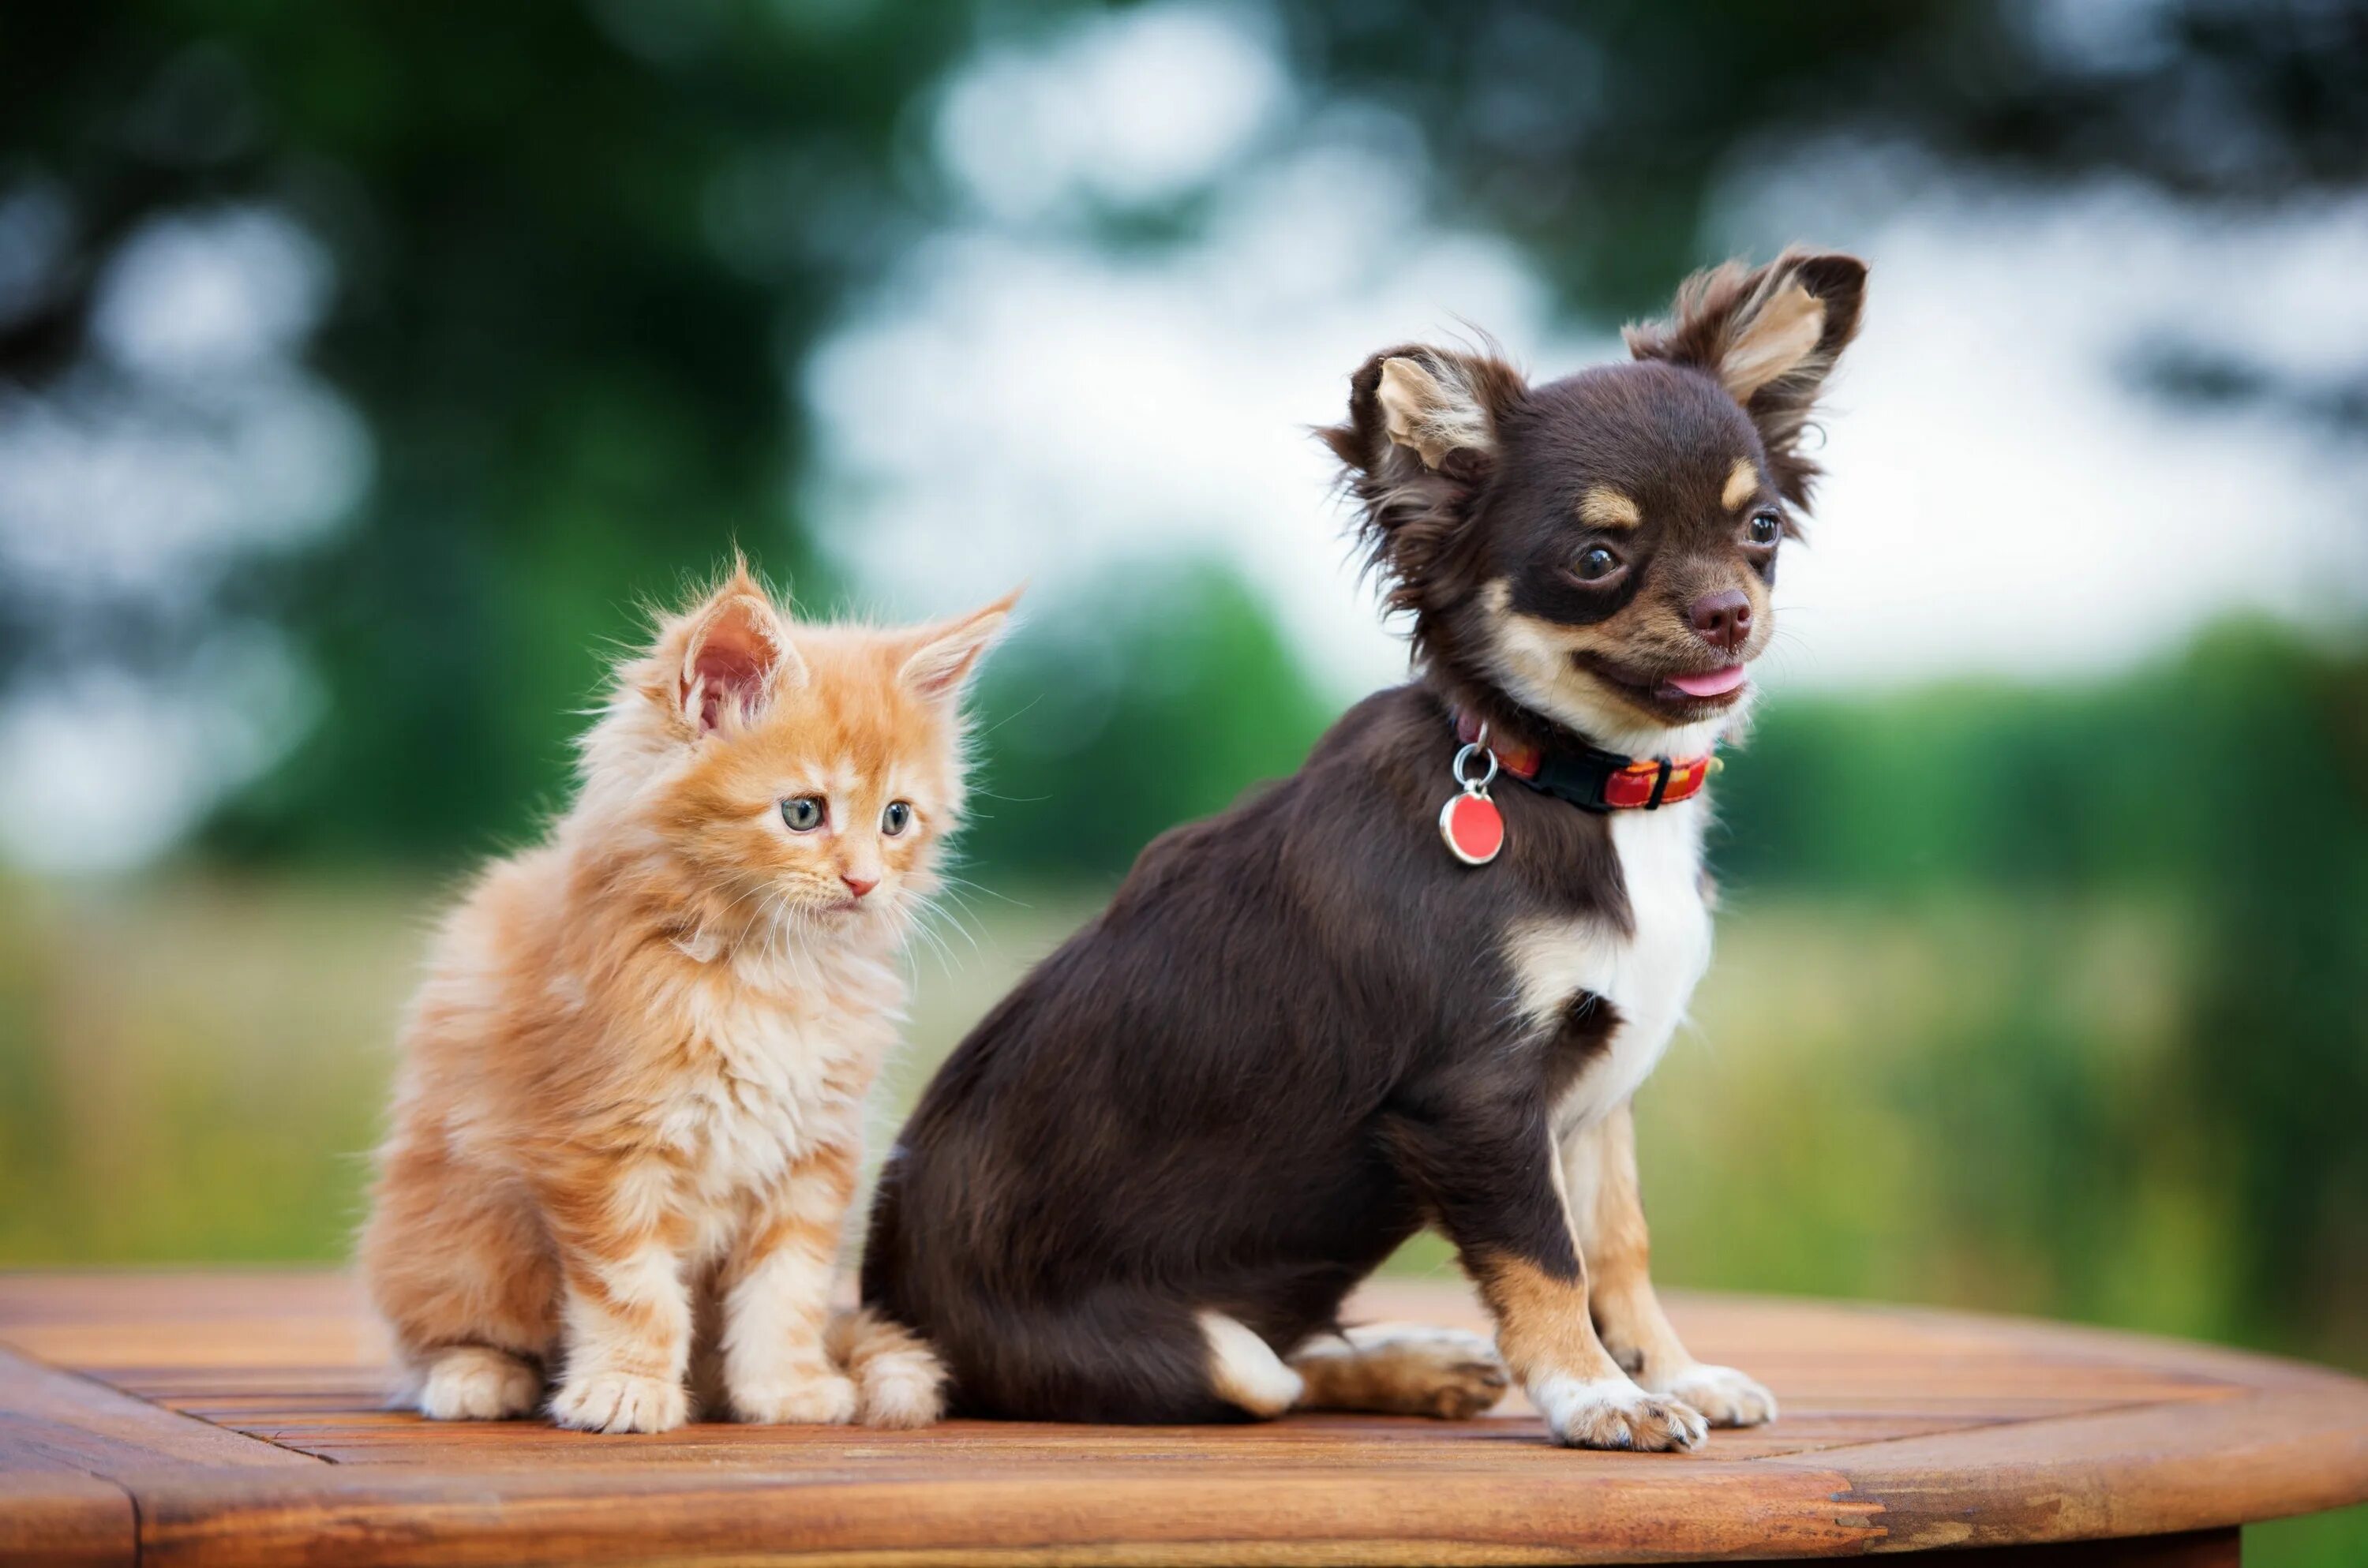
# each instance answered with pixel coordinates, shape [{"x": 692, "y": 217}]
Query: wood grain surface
[{"x": 241, "y": 1417}]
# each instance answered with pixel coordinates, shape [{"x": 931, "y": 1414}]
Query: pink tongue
[{"x": 1709, "y": 682}]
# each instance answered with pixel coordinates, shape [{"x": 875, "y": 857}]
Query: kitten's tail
[{"x": 899, "y": 1381}]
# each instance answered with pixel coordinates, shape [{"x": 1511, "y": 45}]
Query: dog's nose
[
  {"x": 1723, "y": 619},
  {"x": 857, "y": 885}
]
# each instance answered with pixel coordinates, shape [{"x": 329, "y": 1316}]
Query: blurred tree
[
  {"x": 575, "y": 248},
  {"x": 1135, "y": 708},
  {"x": 1599, "y": 133}
]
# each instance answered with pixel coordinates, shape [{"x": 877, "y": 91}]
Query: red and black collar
[{"x": 1592, "y": 778}]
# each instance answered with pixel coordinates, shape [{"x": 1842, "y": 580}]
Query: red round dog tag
[
  {"x": 1473, "y": 827},
  {"x": 1470, "y": 822}
]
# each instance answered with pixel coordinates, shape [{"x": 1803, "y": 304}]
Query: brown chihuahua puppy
[{"x": 1376, "y": 995}]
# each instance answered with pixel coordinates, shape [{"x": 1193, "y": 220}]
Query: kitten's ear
[
  {"x": 945, "y": 656},
  {"x": 735, "y": 657},
  {"x": 1770, "y": 335}
]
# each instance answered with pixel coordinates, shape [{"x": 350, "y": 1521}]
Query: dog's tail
[{"x": 899, "y": 1381}]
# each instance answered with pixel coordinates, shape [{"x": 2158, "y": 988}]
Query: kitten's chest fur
[
  {"x": 1646, "y": 973},
  {"x": 770, "y": 1068}
]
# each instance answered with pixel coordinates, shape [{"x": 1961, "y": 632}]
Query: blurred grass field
[{"x": 194, "y": 1070}]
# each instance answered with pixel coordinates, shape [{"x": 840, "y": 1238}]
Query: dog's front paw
[
  {"x": 1724, "y": 1396},
  {"x": 1612, "y": 1413},
  {"x": 620, "y": 1402},
  {"x": 801, "y": 1397}
]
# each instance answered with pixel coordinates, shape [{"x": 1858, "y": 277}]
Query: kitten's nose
[
  {"x": 857, "y": 885},
  {"x": 1722, "y": 619}
]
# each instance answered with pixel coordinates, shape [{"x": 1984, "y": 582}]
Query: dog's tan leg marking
[
  {"x": 1549, "y": 1341},
  {"x": 1607, "y": 1221},
  {"x": 1401, "y": 1369},
  {"x": 1245, "y": 1370}
]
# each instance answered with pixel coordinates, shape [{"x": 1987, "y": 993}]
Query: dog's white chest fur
[{"x": 1649, "y": 975}]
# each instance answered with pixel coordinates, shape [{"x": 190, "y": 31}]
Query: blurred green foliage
[
  {"x": 2228, "y": 788},
  {"x": 578, "y": 247},
  {"x": 567, "y": 335},
  {"x": 1142, "y": 705}
]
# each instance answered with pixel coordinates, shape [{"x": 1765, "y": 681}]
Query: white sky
[{"x": 1016, "y": 401}]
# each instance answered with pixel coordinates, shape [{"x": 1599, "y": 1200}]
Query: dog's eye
[
  {"x": 803, "y": 814},
  {"x": 1595, "y": 563},
  {"x": 1766, "y": 528}
]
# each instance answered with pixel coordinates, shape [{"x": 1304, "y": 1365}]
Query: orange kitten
[{"x": 630, "y": 1111}]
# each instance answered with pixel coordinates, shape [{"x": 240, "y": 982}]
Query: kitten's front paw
[
  {"x": 1724, "y": 1396},
  {"x": 620, "y": 1402},
  {"x": 1612, "y": 1413},
  {"x": 474, "y": 1384},
  {"x": 817, "y": 1398}
]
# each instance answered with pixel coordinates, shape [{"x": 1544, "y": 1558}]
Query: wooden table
[{"x": 238, "y": 1417}]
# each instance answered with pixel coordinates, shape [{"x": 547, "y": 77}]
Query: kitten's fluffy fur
[{"x": 629, "y": 1117}]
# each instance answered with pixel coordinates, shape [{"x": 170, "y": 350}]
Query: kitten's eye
[
  {"x": 896, "y": 818},
  {"x": 805, "y": 813},
  {"x": 1766, "y": 528},
  {"x": 1595, "y": 563}
]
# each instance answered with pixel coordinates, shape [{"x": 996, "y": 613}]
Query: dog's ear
[
  {"x": 1771, "y": 335},
  {"x": 1422, "y": 437},
  {"x": 1435, "y": 406}
]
